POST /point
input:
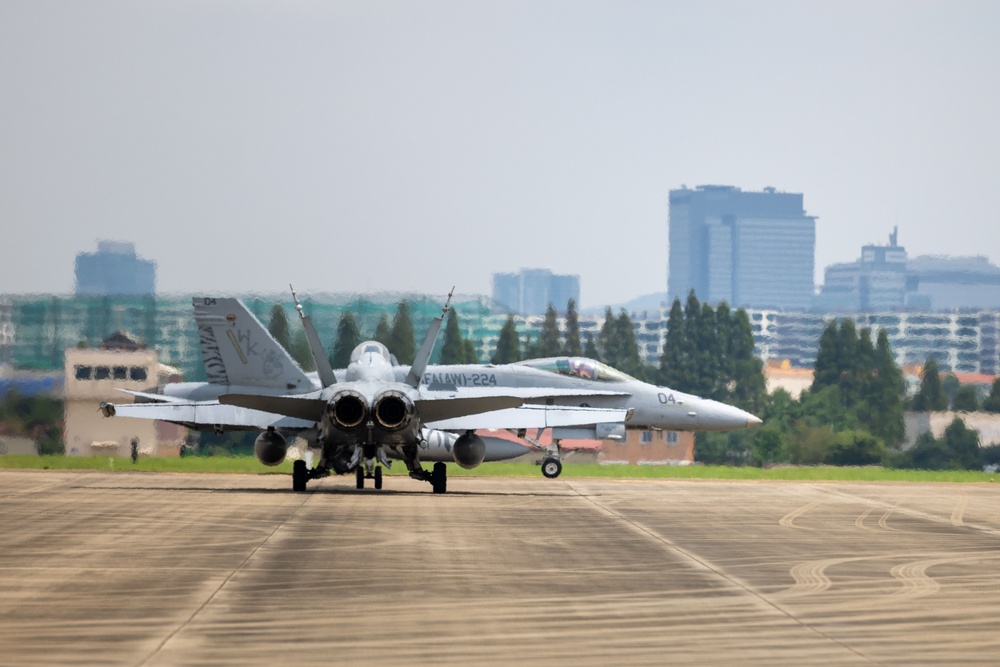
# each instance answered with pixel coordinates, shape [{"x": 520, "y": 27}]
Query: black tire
[
  {"x": 359, "y": 474},
  {"x": 300, "y": 475},
  {"x": 439, "y": 478},
  {"x": 551, "y": 468},
  {"x": 378, "y": 477}
]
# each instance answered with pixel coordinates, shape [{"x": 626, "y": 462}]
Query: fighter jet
[
  {"x": 588, "y": 383},
  {"x": 357, "y": 422}
]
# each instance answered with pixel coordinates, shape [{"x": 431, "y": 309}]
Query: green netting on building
[{"x": 43, "y": 327}]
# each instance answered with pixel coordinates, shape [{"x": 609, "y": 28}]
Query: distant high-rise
[
  {"x": 114, "y": 270},
  {"x": 885, "y": 279},
  {"x": 532, "y": 290},
  {"x": 750, "y": 249}
]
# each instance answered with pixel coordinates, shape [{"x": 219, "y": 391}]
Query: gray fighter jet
[
  {"x": 374, "y": 411},
  {"x": 582, "y": 382}
]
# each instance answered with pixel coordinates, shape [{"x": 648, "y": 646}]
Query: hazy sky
[{"x": 364, "y": 146}]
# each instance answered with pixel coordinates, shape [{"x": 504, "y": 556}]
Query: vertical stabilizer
[
  {"x": 424, "y": 353},
  {"x": 239, "y": 350},
  {"x": 326, "y": 376}
]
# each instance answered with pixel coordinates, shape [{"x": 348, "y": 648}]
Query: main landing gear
[
  {"x": 552, "y": 463},
  {"x": 551, "y": 467},
  {"x": 438, "y": 477},
  {"x": 360, "y": 477}
]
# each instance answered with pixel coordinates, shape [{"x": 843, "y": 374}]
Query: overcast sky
[{"x": 366, "y": 146}]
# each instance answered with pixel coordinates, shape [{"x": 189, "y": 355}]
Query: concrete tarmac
[{"x": 171, "y": 569}]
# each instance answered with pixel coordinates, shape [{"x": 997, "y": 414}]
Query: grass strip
[{"x": 248, "y": 464}]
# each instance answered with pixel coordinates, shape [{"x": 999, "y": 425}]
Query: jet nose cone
[{"x": 753, "y": 421}]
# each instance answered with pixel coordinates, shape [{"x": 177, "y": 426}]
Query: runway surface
[{"x": 170, "y": 569}]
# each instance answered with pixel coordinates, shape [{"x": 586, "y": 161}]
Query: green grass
[{"x": 248, "y": 464}]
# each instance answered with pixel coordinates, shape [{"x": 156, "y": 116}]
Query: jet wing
[
  {"x": 437, "y": 409},
  {"x": 301, "y": 408},
  {"x": 532, "y": 416},
  {"x": 151, "y": 398},
  {"x": 207, "y": 413}
]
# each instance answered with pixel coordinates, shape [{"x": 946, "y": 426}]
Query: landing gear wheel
[
  {"x": 551, "y": 468},
  {"x": 378, "y": 477},
  {"x": 300, "y": 475},
  {"x": 439, "y": 478},
  {"x": 359, "y": 474}
]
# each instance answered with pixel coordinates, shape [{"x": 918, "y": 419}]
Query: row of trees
[{"x": 852, "y": 415}]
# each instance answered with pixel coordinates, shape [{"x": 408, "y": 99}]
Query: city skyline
[{"x": 371, "y": 147}]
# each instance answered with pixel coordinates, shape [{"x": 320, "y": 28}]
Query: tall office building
[
  {"x": 530, "y": 291},
  {"x": 114, "y": 270},
  {"x": 750, "y": 249},
  {"x": 875, "y": 282},
  {"x": 885, "y": 279}
]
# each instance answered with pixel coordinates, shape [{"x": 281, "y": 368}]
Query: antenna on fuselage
[{"x": 326, "y": 376}]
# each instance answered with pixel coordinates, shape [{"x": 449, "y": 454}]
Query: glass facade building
[
  {"x": 114, "y": 270},
  {"x": 530, "y": 291},
  {"x": 750, "y": 249}
]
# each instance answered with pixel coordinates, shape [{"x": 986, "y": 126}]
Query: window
[
  {"x": 119, "y": 373},
  {"x": 102, "y": 373},
  {"x": 137, "y": 373},
  {"x": 671, "y": 437},
  {"x": 84, "y": 372},
  {"x": 646, "y": 437}
]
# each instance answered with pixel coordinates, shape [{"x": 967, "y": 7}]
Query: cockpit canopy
[
  {"x": 371, "y": 347},
  {"x": 580, "y": 367}
]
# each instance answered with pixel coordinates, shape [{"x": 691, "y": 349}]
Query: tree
[
  {"x": 958, "y": 449},
  {"x": 725, "y": 364},
  {"x": 278, "y": 327},
  {"x": 966, "y": 399},
  {"x": 453, "y": 350},
  {"x": 769, "y": 445},
  {"x": 826, "y": 370},
  {"x": 382, "y": 332},
  {"x": 508, "y": 345},
  {"x": 348, "y": 338},
  {"x": 605, "y": 338},
  {"x": 928, "y": 453},
  {"x": 885, "y": 394},
  {"x": 626, "y": 348},
  {"x": 673, "y": 361},
  {"x": 572, "y": 347},
  {"x": 931, "y": 396},
  {"x": 37, "y": 417},
  {"x": 855, "y": 448},
  {"x": 471, "y": 357},
  {"x": 692, "y": 317},
  {"x": 706, "y": 352},
  {"x": 401, "y": 341},
  {"x": 849, "y": 359},
  {"x": 301, "y": 353},
  {"x": 962, "y": 444},
  {"x": 591, "y": 352},
  {"x": 950, "y": 384},
  {"x": 992, "y": 402},
  {"x": 548, "y": 339},
  {"x": 749, "y": 388}
]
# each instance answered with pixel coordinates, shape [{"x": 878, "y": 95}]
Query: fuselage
[{"x": 652, "y": 406}]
